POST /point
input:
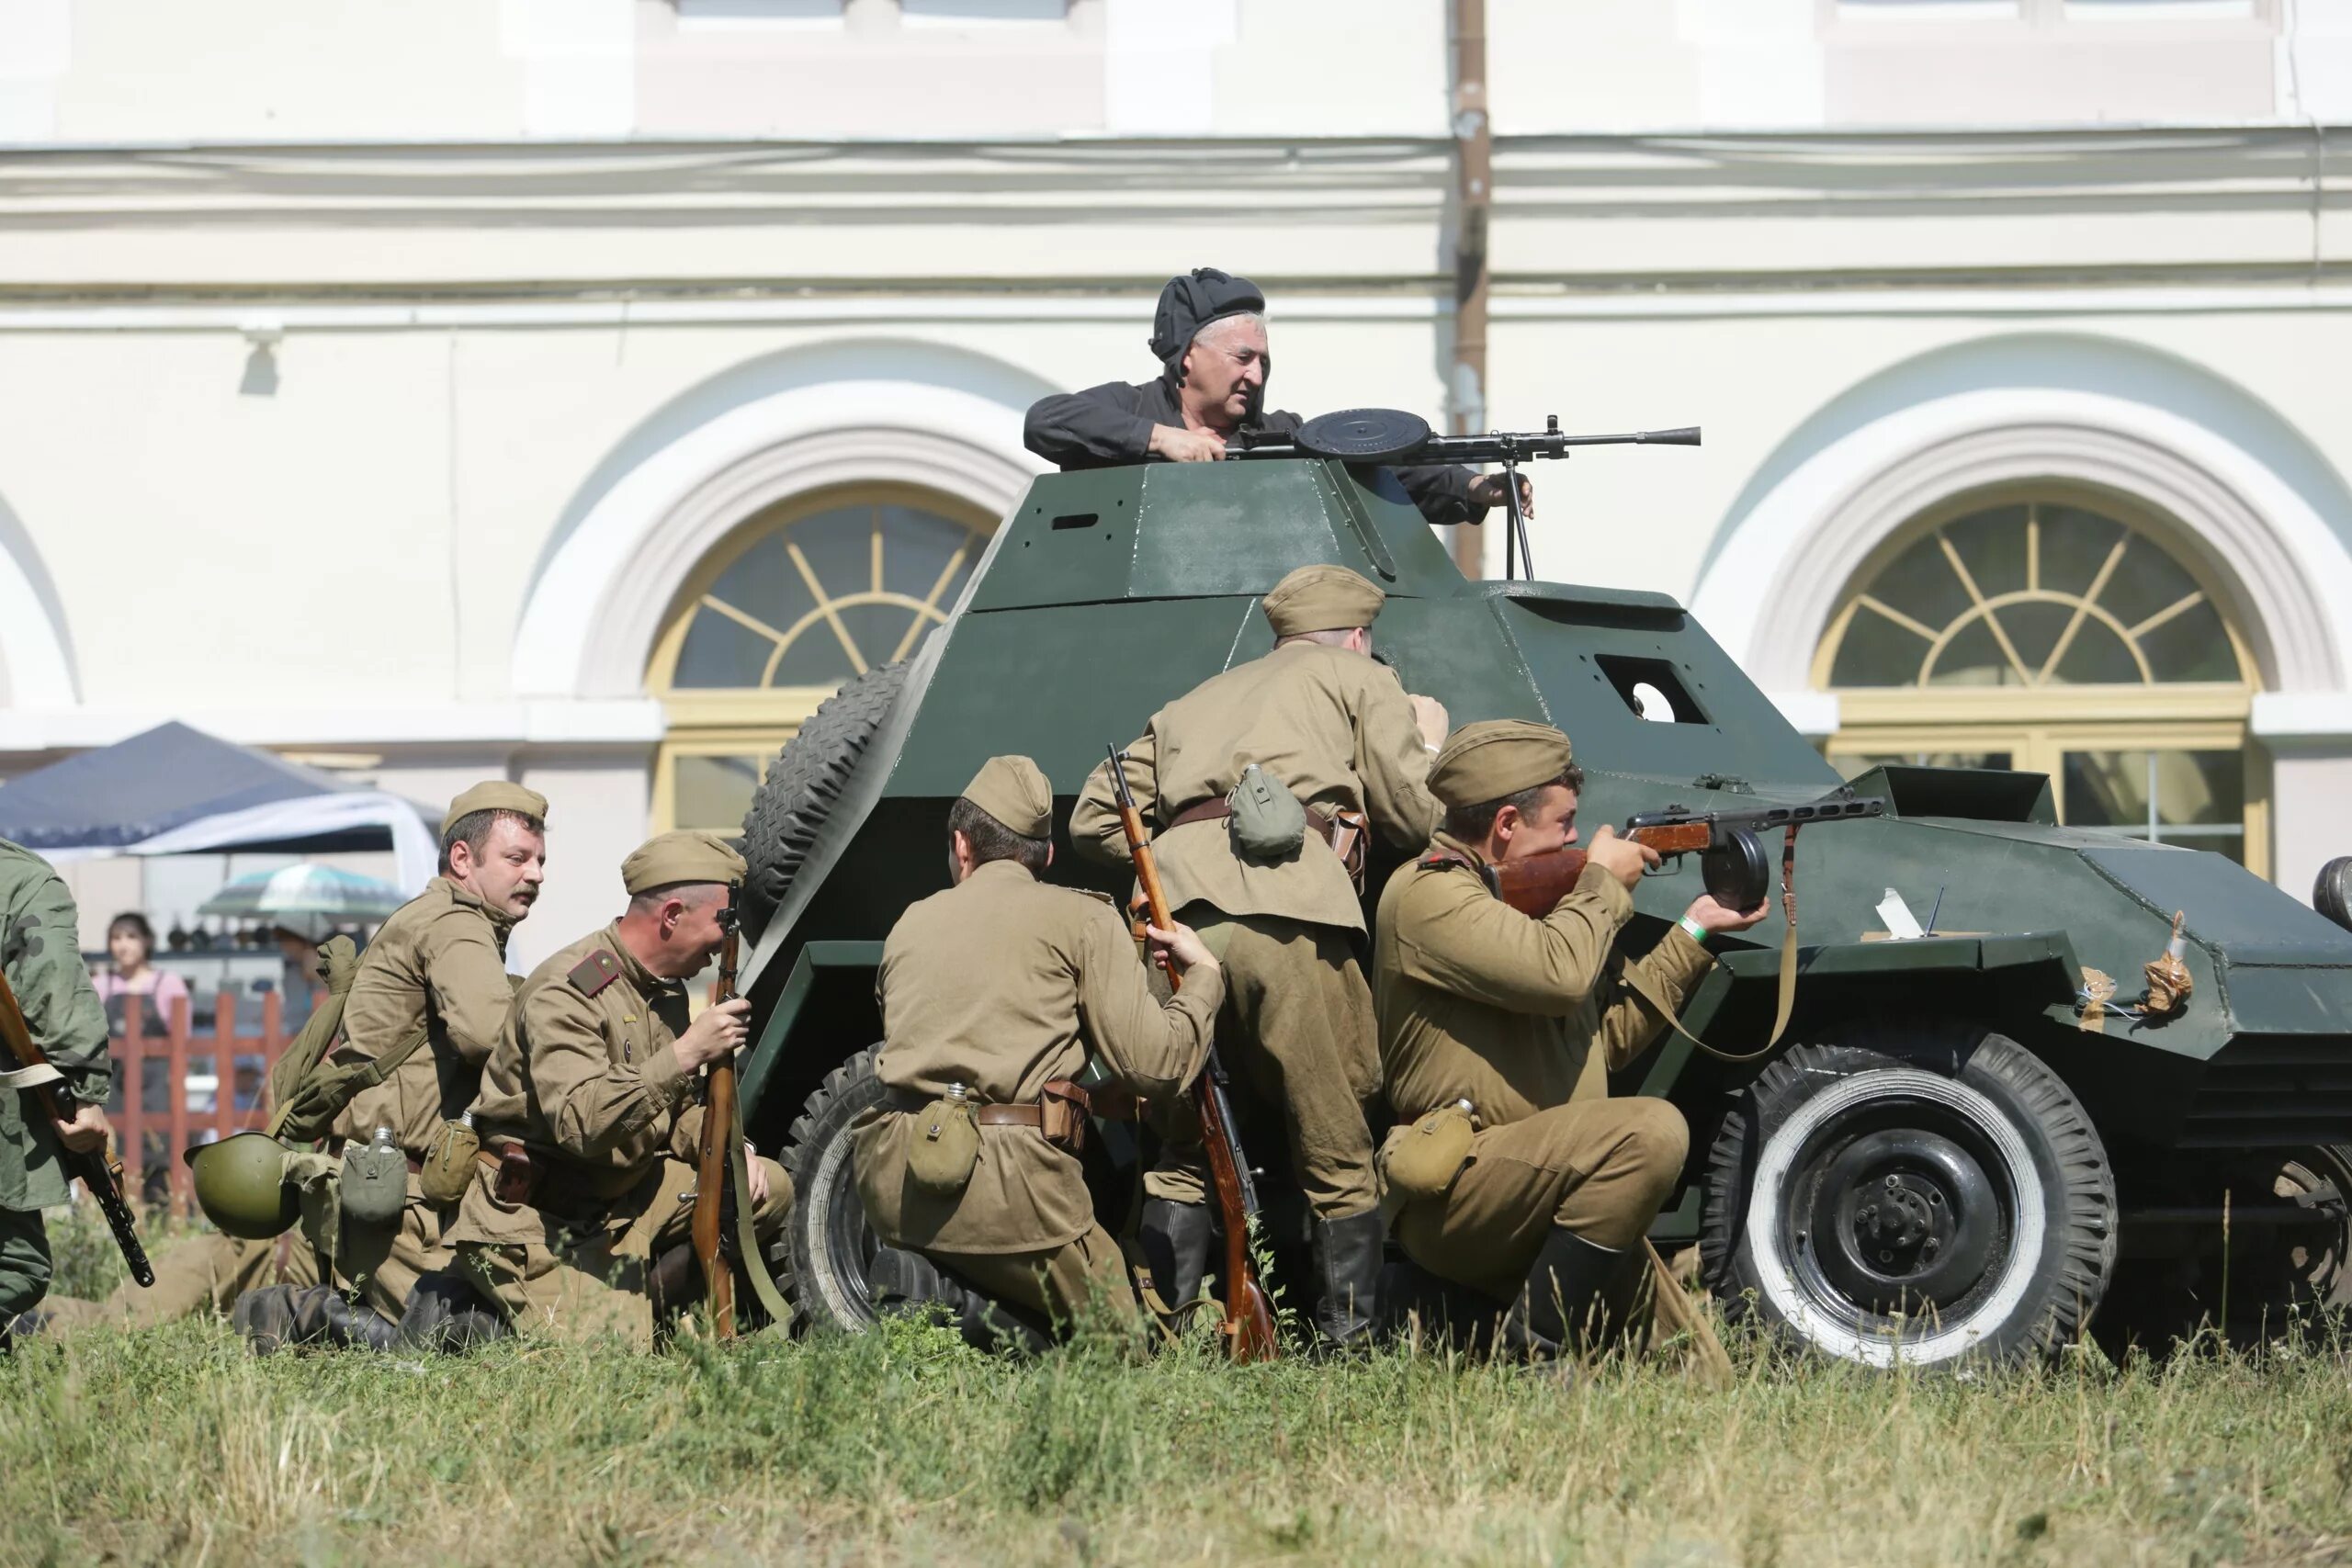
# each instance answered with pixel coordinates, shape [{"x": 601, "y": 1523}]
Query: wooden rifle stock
[
  {"x": 1249, "y": 1319},
  {"x": 96, "y": 1168},
  {"x": 1536, "y": 885},
  {"x": 712, "y": 1169}
]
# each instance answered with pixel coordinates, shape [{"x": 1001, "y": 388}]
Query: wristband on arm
[{"x": 1696, "y": 931}]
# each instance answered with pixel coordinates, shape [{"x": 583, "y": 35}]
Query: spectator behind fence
[{"x": 131, "y": 941}]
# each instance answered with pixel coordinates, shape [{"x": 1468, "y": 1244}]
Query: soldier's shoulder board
[
  {"x": 1098, "y": 897},
  {"x": 593, "y": 972}
]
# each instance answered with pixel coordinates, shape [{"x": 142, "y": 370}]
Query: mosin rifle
[
  {"x": 1248, "y": 1320},
  {"x": 94, "y": 1168},
  {"x": 1391, "y": 436},
  {"x": 1732, "y": 864},
  {"x": 722, "y": 1229}
]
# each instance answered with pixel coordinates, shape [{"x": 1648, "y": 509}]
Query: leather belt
[
  {"x": 1323, "y": 823},
  {"x": 1008, "y": 1116}
]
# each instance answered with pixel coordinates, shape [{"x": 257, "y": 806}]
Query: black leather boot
[
  {"x": 905, "y": 1281},
  {"x": 356, "y": 1326},
  {"x": 1175, "y": 1239},
  {"x": 675, "y": 1282},
  {"x": 446, "y": 1313},
  {"x": 1347, "y": 1279},
  {"x": 1445, "y": 1315},
  {"x": 1579, "y": 1299},
  {"x": 275, "y": 1318}
]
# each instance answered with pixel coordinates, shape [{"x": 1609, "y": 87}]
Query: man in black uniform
[{"x": 1209, "y": 335}]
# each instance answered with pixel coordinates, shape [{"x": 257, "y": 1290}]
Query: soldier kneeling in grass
[
  {"x": 992, "y": 993},
  {"x": 1512, "y": 1170}
]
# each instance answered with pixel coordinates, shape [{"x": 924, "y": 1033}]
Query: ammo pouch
[
  {"x": 449, "y": 1163},
  {"x": 517, "y": 1180},
  {"x": 374, "y": 1188},
  {"x": 1268, "y": 825},
  {"x": 1062, "y": 1111},
  {"x": 946, "y": 1147},
  {"x": 1423, "y": 1160}
]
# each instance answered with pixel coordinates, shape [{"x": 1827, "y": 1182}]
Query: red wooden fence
[{"x": 153, "y": 1120}]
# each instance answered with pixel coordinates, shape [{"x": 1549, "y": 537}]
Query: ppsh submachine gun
[
  {"x": 1387, "y": 436},
  {"x": 1733, "y": 864},
  {"x": 97, "y": 1169}
]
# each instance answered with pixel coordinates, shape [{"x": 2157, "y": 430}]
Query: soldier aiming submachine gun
[{"x": 1388, "y": 436}]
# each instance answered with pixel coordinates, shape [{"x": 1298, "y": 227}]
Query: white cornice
[{"x": 619, "y": 722}]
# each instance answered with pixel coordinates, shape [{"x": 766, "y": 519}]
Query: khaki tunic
[
  {"x": 1522, "y": 1019},
  {"x": 1001, "y": 984},
  {"x": 438, "y": 963},
  {"x": 593, "y": 1085},
  {"x": 1332, "y": 724}
]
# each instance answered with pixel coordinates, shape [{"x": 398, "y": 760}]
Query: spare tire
[
  {"x": 803, "y": 785},
  {"x": 2332, "y": 894}
]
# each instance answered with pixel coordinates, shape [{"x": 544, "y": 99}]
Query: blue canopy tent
[{"x": 173, "y": 790}]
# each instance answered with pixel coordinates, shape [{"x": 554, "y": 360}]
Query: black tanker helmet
[{"x": 1188, "y": 304}]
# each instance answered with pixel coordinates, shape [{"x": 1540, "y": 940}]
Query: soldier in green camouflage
[{"x": 44, "y": 961}]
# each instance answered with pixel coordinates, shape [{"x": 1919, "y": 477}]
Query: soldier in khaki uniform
[
  {"x": 577, "y": 1221},
  {"x": 997, "y": 988},
  {"x": 1333, "y": 726},
  {"x": 429, "y": 1001},
  {"x": 1523, "y": 1020},
  {"x": 40, "y": 942}
]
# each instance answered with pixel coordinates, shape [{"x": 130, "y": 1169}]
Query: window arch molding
[
  {"x": 2269, "y": 558},
  {"x": 590, "y": 620}
]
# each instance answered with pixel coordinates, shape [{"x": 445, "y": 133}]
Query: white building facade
[{"x": 576, "y": 390}]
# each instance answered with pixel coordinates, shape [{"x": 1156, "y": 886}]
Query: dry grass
[{"x": 175, "y": 1446}]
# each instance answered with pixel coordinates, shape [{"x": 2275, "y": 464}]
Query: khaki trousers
[
  {"x": 1296, "y": 1031},
  {"x": 203, "y": 1275},
  {"x": 595, "y": 1288},
  {"x": 384, "y": 1265},
  {"x": 1599, "y": 1166},
  {"x": 1057, "y": 1282}
]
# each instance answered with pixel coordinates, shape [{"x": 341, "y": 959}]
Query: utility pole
[{"x": 1472, "y": 199}]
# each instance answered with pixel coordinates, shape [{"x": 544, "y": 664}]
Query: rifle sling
[{"x": 747, "y": 1240}]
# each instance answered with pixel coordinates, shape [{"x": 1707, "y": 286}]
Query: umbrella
[{"x": 305, "y": 889}]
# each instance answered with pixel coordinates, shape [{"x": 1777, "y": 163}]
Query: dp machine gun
[
  {"x": 1248, "y": 1320},
  {"x": 1390, "y": 435}
]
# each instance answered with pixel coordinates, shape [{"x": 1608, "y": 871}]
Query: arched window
[
  {"x": 803, "y": 596},
  {"x": 2050, "y": 629}
]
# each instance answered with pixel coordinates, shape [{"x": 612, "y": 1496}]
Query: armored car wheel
[
  {"x": 2282, "y": 1275},
  {"x": 1929, "y": 1194},
  {"x": 829, "y": 1247},
  {"x": 803, "y": 784}
]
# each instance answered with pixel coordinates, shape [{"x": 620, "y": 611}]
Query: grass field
[{"x": 901, "y": 1446}]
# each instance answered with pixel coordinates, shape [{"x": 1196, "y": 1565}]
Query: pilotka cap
[
  {"x": 1013, "y": 790},
  {"x": 1498, "y": 757},
  {"x": 1322, "y": 599},
  {"x": 688, "y": 854},
  {"x": 494, "y": 795}
]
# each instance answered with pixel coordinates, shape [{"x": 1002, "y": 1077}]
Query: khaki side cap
[
  {"x": 688, "y": 854},
  {"x": 1498, "y": 757}
]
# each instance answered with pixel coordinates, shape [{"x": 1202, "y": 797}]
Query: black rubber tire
[
  {"x": 803, "y": 784},
  {"x": 829, "y": 1247},
  {"x": 1947, "y": 1150},
  {"x": 2331, "y": 891},
  {"x": 2281, "y": 1287}
]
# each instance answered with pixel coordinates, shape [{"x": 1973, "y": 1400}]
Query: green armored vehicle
[{"x": 1989, "y": 1139}]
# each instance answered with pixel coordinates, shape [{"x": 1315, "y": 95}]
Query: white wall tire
[{"x": 1933, "y": 1196}]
